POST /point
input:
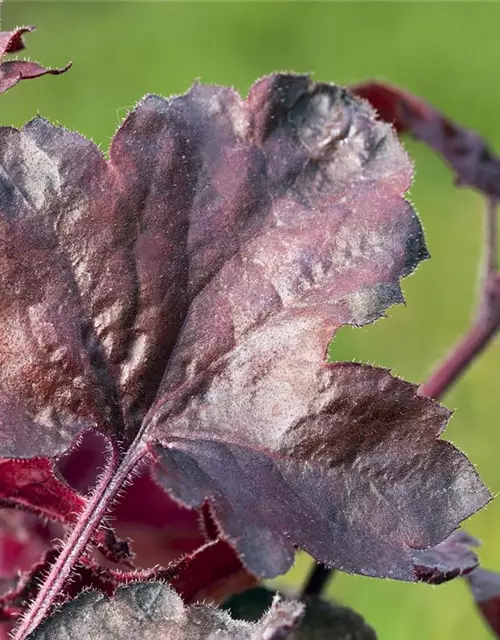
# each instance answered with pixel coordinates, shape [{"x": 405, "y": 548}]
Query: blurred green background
[{"x": 448, "y": 53}]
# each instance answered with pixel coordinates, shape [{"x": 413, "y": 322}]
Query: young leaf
[
  {"x": 155, "y": 611},
  {"x": 182, "y": 302},
  {"x": 23, "y": 542},
  {"x": 466, "y": 152}
]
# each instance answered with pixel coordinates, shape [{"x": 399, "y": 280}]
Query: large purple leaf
[{"x": 188, "y": 287}]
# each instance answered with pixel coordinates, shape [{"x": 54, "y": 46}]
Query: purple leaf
[
  {"x": 449, "y": 559},
  {"x": 155, "y": 611},
  {"x": 358, "y": 481},
  {"x": 12, "y": 71},
  {"x": 186, "y": 290}
]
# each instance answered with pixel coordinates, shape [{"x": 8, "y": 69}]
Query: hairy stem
[
  {"x": 317, "y": 580},
  {"x": 111, "y": 481}
]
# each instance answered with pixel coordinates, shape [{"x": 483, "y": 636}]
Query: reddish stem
[
  {"x": 110, "y": 483},
  {"x": 471, "y": 345},
  {"x": 487, "y": 320}
]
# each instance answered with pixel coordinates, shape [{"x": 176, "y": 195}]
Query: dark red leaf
[
  {"x": 80, "y": 465},
  {"x": 23, "y": 543},
  {"x": 485, "y": 587},
  {"x": 466, "y": 152},
  {"x": 155, "y": 611},
  {"x": 209, "y": 574},
  {"x": 188, "y": 288},
  {"x": 25, "y": 586},
  {"x": 33, "y": 483},
  {"x": 449, "y": 559},
  {"x": 161, "y": 530},
  {"x": 12, "y": 41},
  {"x": 12, "y": 71}
]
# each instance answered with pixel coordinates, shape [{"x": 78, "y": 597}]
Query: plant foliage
[{"x": 165, "y": 316}]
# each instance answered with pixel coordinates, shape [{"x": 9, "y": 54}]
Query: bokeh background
[{"x": 448, "y": 53}]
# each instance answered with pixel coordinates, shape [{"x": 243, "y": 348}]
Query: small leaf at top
[{"x": 485, "y": 587}]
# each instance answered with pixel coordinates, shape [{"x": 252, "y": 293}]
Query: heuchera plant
[{"x": 170, "y": 430}]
